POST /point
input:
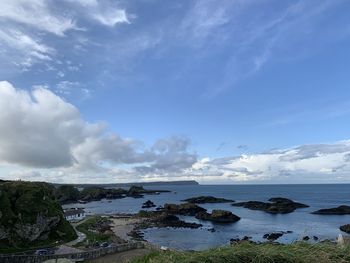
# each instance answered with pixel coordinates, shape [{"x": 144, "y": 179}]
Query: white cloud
[
  {"x": 306, "y": 163},
  {"x": 111, "y": 18},
  {"x": 204, "y": 18},
  {"x": 40, "y": 130},
  {"x": 37, "y": 14},
  {"x": 26, "y": 25},
  {"x": 22, "y": 50},
  {"x": 106, "y": 13}
]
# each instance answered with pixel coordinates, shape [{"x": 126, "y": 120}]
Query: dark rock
[
  {"x": 340, "y": 210},
  {"x": 183, "y": 209},
  {"x": 139, "y": 191},
  {"x": 207, "y": 199},
  {"x": 218, "y": 216},
  {"x": 306, "y": 238},
  {"x": 315, "y": 238},
  {"x": 163, "y": 219},
  {"x": 94, "y": 193},
  {"x": 345, "y": 228},
  {"x": 135, "y": 191},
  {"x": 273, "y": 236},
  {"x": 136, "y": 235},
  {"x": 234, "y": 240},
  {"x": 66, "y": 194},
  {"x": 276, "y": 205},
  {"x": 212, "y": 230},
  {"x": 148, "y": 204},
  {"x": 168, "y": 220}
]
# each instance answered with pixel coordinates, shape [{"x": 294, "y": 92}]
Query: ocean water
[{"x": 253, "y": 223}]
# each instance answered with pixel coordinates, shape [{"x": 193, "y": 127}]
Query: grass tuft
[{"x": 299, "y": 252}]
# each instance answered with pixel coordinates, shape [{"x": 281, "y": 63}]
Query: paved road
[{"x": 81, "y": 236}]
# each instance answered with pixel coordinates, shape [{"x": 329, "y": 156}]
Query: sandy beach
[{"x": 122, "y": 225}]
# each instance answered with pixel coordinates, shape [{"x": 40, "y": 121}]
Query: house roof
[{"x": 72, "y": 212}]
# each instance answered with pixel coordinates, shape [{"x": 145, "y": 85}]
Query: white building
[{"x": 74, "y": 214}]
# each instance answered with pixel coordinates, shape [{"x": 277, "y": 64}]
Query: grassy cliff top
[{"x": 256, "y": 253}]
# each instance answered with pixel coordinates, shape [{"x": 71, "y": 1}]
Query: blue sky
[{"x": 187, "y": 90}]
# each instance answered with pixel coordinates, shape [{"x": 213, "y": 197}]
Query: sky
[{"x": 218, "y": 91}]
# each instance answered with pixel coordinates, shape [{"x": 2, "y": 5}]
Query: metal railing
[{"x": 77, "y": 256}]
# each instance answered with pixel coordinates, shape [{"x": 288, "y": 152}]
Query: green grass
[
  {"x": 256, "y": 253},
  {"x": 93, "y": 237},
  {"x": 21, "y": 204}
]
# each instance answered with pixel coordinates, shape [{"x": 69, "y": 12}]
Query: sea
[{"x": 253, "y": 223}]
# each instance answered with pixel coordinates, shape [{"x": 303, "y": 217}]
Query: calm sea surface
[{"x": 253, "y": 223}]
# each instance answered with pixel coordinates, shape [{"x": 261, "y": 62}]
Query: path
[{"x": 81, "y": 236}]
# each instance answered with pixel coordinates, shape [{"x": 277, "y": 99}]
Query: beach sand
[{"x": 121, "y": 226}]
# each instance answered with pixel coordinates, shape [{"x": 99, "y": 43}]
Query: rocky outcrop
[
  {"x": 273, "y": 236},
  {"x": 207, "y": 199},
  {"x": 148, "y": 204},
  {"x": 187, "y": 209},
  {"x": 161, "y": 219},
  {"x": 30, "y": 213},
  {"x": 89, "y": 194},
  {"x": 139, "y": 191},
  {"x": 345, "y": 228},
  {"x": 340, "y": 210},
  {"x": 218, "y": 216},
  {"x": 276, "y": 205},
  {"x": 166, "y": 220},
  {"x": 67, "y": 194}
]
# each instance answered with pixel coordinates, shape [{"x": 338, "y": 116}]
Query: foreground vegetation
[
  {"x": 96, "y": 230},
  {"x": 256, "y": 253},
  {"x": 30, "y": 216}
]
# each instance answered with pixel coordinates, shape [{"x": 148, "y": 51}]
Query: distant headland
[{"x": 185, "y": 182}]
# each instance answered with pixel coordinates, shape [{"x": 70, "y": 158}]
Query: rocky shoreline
[
  {"x": 67, "y": 194},
  {"x": 167, "y": 216}
]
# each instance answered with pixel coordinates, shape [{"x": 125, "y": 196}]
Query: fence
[{"x": 79, "y": 256}]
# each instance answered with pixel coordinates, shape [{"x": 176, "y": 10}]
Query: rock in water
[
  {"x": 148, "y": 204},
  {"x": 345, "y": 228},
  {"x": 273, "y": 236},
  {"x": 276, "y": 205},
  {"x": 29, "y": 213},
  {"x": 187, "y": 209},
  {"x": 218, "y": 216},
  {"x": 340, "y": 210},
  {"x": 207, "y": 199}
]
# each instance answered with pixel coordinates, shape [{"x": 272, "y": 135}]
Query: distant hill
[{"x": 188, "y": 182}]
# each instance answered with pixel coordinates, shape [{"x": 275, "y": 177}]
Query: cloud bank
[
  {"x": 306, "y": 163},
  {"x": 43, "y": 137},
  {"x": 38, "y": 129}
]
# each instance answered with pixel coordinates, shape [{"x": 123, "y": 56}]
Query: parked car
[
  {"x": 104, "y": 244},
  {"x": 44, "y": 251}
]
